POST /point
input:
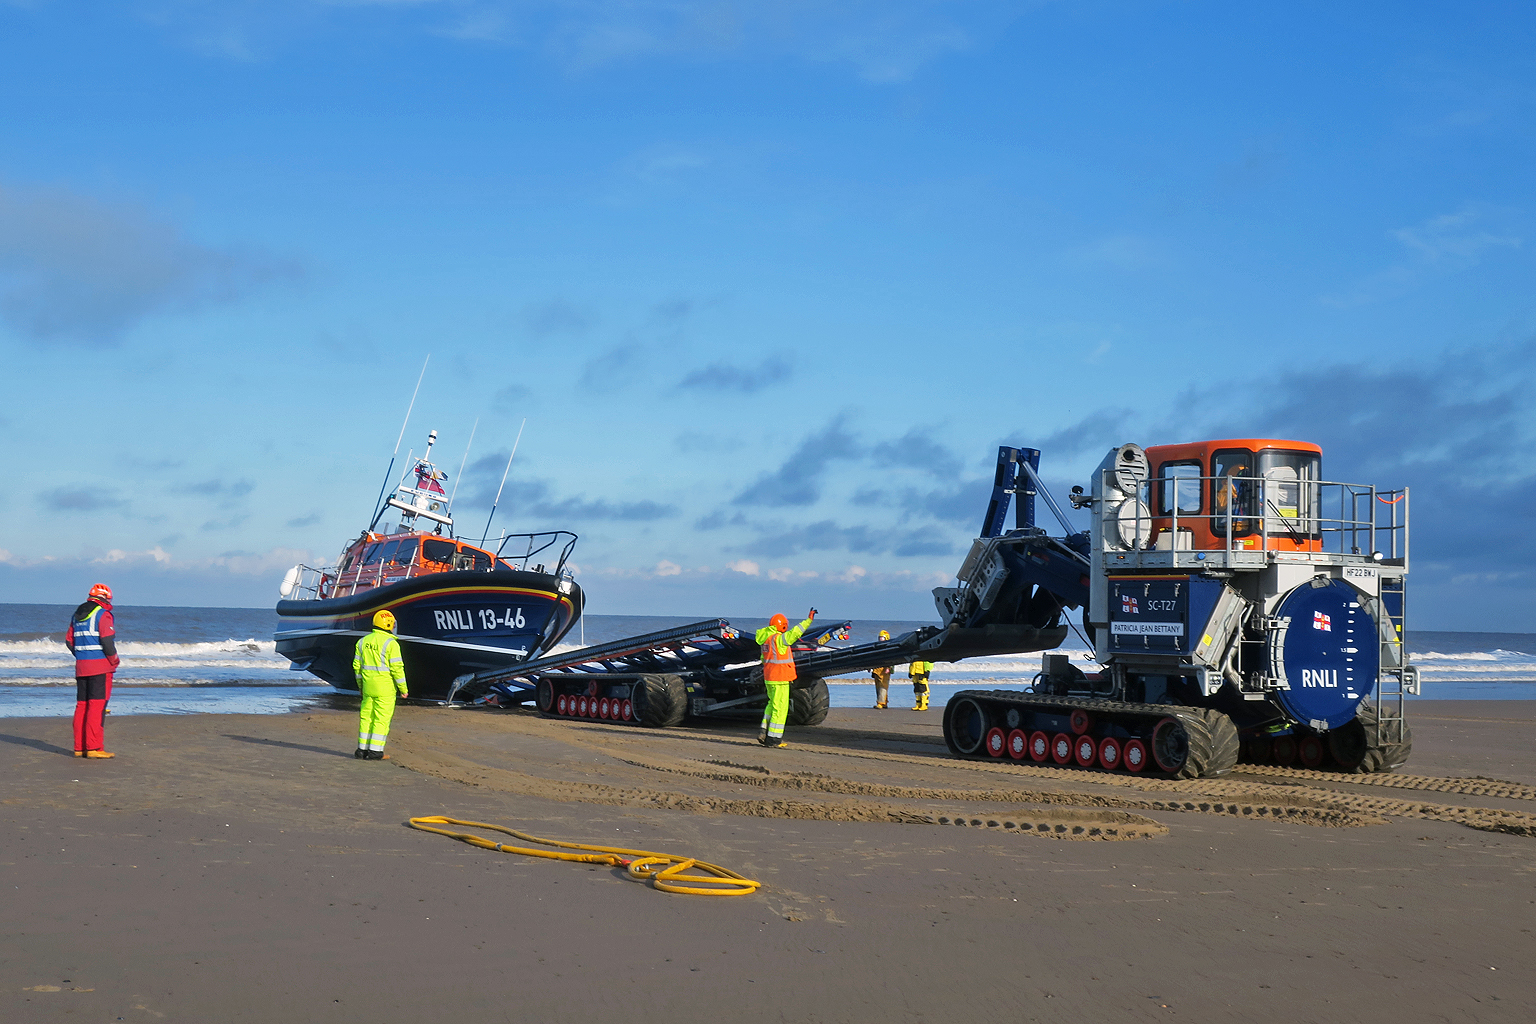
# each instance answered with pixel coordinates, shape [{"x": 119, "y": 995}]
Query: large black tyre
[
  {"x": 1212, "y": 744},
  {"x": 808, "y": 704},
  {"x": 1384, "y": 752},
  {"x": 660, "y": 700},
  {"x": 544, "y": 696}
]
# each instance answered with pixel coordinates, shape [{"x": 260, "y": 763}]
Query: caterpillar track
[{"x": 1084, "y": 732}]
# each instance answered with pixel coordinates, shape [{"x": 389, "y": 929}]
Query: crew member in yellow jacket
[
  {"x": 777, "y": 641},
  {"x": 918, "y": 672},
  {"x": 380, "y": 675}
]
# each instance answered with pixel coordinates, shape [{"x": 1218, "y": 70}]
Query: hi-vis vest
[
  {"x": 85, "y": 634},
  {"x": 778, "y": 660}
]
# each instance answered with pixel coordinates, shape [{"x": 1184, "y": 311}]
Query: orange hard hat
[
  {"x": 101, "y": 590},
  {"x": 779, "y": 622}
]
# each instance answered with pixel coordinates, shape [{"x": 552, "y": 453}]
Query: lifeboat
[{"x": 459, "y": 607}]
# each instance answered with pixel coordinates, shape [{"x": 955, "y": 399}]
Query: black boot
[{"x": 360, "y": 754}]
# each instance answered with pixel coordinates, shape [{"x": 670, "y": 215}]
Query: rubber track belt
[{"x": 662, "y": 870}]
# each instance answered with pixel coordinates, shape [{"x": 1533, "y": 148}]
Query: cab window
[
  {"x": 375, "y": 549},
  {"x": 1290, "y": 491},
  {"x": 1232, "y": 491},
  {"x": 1180, "y": 487},
  {"x": 482, "y": 561}
]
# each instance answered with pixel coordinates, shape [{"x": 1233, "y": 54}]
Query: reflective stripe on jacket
[
  {"x": 777, "y": 652},
  {"x": 378, "y": 666},
  {"x": 85, "y": 639}
]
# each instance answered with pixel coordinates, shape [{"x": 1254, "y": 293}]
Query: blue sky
[{"x": 768, "y": 281}]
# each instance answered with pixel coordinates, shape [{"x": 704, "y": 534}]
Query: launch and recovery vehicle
[{"x": 1239, "y": 607}]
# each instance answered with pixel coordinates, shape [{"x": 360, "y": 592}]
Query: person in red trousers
[{"x": 92, "y": 640}]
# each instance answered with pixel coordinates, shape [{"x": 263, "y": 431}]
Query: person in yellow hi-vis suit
[
  {"x": 918, "y": 672},
  {"x": 380, "y": 675},
  {"x": 777, "y": 642}
]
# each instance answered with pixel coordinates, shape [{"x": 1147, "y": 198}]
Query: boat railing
[
  {"x": 532, "y": 545},
  {"x": 326, "y": 582}
]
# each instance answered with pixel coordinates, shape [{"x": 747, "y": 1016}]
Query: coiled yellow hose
[{"x": 641, "y": 865}]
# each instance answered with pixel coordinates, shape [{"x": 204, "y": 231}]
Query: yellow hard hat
[
  {"x": 885, "y": 634},
  {"x": 384, "y": 620}
]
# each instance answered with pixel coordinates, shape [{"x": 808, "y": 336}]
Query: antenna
[
  {"x": 379, "y": 501},
  {"x": 504, "y": 473},
  {"x": 463, "y": 462}
]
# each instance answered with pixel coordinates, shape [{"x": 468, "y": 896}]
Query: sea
[{"x": 180, "y": 661}]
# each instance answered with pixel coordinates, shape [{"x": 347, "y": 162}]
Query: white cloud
[
  {"x": 1444, "y": 244},
  {"x": 74, "y": 268},
  {"x": 666, "y": 568},
  {"x": 745, "y": 567}
]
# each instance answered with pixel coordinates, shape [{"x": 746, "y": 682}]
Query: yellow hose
[{"x": 641, "y": 864}]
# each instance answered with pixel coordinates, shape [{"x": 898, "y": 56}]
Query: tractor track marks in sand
[{"x": 617, "y": 766}]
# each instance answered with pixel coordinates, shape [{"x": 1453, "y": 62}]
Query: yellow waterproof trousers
[
  {"x": 373, "y": 719},
  {"x": 777, "y": 711}
]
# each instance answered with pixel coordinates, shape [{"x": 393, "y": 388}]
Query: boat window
[
  {"x": 386, "y": 552},
  {"x": 438, "y": 551},
  {"x": 406, "y": 552},
  {"x": 1180, "y": 482},
  {"x": 371, "y": 555},
  {"x": 1232, "y": 491},
  {"x": 482, "y": 560}
]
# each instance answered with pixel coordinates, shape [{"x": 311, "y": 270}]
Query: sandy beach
[{"x": 232, "y": 867}]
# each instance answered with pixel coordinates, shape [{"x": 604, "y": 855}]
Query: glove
[{"x": 812, "y": 616}]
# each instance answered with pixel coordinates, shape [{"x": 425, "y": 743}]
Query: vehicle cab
[{"x": 1236, "y": 494}]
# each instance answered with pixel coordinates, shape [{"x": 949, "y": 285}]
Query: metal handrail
[
  {"x": 1379, "y": 526},
  {"x": 326, "y": 582},
  {"x": 532, "y": 547}
]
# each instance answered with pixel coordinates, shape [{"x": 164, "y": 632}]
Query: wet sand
[{"x": 231, "y": 867}]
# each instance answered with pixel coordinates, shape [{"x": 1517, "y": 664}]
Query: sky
[{"x": 763, "y": 285}]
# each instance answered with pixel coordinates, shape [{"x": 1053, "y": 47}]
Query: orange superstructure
[
  {"x": 1242, "y": 493},
  {"x": 376, "y": 559}
]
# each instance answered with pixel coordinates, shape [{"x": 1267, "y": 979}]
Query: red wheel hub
[
  {"x": 602, "y": 708},
  {"x": 1284, "y": 751},
  {"x": 1134, "y": 755},
  {"x": 1085, "y": 751},
  {"x": 628, "y": 710},
  {"x": 997, "y": 742},
  {"x": 1061, "y": 748},
  {"x": 1109, "y": 753},
  {"x": 1018, "y": 745},
  {"x": 560, "y": 704},
  {"x": 583, "y": 707},
  {"x": 1310, "y": 749},
  {"x": 1040, "y": 747},
  {"x": 1082, "y": 721}
]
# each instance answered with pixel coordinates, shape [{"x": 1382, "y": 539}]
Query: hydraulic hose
[{"x": 662, "y": 870}]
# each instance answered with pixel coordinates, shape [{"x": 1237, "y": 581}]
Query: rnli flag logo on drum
[
  {"x": 1321, "y": 621},
  {"x": 1128, "y": 606}
]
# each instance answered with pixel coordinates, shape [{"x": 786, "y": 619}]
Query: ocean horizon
[{"x": 184, "y": 660}]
